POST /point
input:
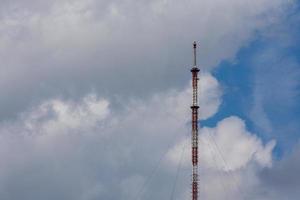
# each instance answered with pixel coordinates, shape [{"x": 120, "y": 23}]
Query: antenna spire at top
[{"x": 195, "y": 49}]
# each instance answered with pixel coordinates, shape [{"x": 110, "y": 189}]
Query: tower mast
[{"x": 195, "y": 108}]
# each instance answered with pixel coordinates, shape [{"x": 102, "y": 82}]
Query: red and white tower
[{"x": 195, "y": 108}]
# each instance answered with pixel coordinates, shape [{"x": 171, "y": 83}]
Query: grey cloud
[
  {"x": 276, "y": 81},
  {"x": 281, "y": 73},
  {"x": 86, "y": 150},
  {"x": 282, "y": 180},
  {"x": 116, "y": 48}
]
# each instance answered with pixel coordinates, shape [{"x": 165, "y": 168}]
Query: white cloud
[
  {"x": 237, "y": 145},
  {"x": 67, "y": 115},
  {"x": 230, "y": 159},
  {"x": 209, "y": 96},
  {"x": 232, "y": 144}
]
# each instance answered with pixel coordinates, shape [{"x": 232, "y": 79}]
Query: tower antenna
[{"x": 195, "y": 108}]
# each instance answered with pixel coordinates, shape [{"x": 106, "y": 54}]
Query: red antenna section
[{"x": 195, "y": 108}]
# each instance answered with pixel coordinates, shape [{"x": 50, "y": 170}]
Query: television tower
[{"x": 195, "y": 108}]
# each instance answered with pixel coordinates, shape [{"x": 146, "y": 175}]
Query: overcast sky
[{"x": 95, "y": 96}]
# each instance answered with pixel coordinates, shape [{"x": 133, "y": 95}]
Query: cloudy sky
[{"x": 95, "y": 99}]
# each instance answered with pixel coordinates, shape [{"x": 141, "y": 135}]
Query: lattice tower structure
[{"x": 195, "y": 70}]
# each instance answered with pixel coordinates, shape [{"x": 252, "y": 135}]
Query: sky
[{"x": 95, "y": 99}]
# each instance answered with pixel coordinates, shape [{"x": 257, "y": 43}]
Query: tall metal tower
[{"x": 195, "y": 108}]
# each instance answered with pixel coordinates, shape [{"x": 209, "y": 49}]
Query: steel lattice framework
[{"x": 195, "y": 108}]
